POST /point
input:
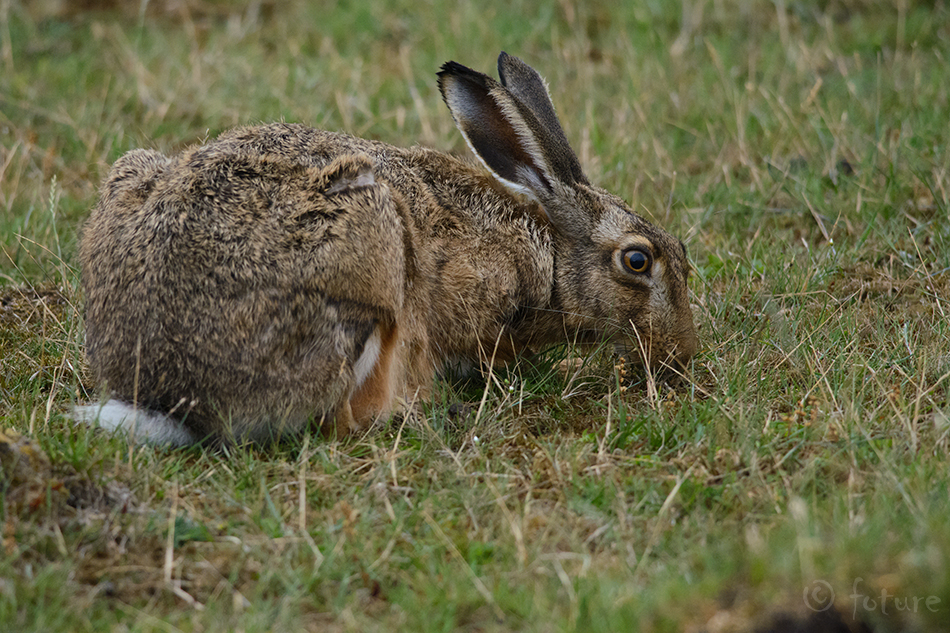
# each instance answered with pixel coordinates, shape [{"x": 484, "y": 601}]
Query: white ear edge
[{"x": 145, "y": 426}]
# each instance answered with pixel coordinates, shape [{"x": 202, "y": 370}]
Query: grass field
[{"x": 801, "y": 474}]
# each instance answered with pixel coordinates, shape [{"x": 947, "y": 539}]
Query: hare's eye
[{"x": 636, "y": 261}]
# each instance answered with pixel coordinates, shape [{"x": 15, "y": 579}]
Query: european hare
[{"x": 281, "y": 276}]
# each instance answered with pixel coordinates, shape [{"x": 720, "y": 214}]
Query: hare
[{"x": 280, "y": 276}]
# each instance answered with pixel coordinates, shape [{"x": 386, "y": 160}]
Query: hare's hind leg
[
  {"x": 365, "y": 364},
  {"x": 357, "y": 240},
  {"x": 346, "y": 420},
  {"x": 374, "y": 394}
]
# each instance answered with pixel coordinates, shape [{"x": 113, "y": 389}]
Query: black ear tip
[
  {"x": 455, "y": 72},
  {"x": 450, "y": 68},
  {"x": 448, "y": 72},
  {"x": 503, "y": 58},
  {"x": 457, "y": 69},
  {"x": 509, "y": 64}
]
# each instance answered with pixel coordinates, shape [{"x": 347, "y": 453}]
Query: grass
[{"x": 800, "y": 148}]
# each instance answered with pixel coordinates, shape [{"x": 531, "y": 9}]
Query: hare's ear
[
  {"x": 527, "y": 86},
  {"x": 512, "y": 128}
]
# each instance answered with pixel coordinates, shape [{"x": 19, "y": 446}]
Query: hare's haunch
[{"x": 281, "y": 276}]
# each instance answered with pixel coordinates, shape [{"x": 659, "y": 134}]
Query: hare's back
[{"x": 248, "y": 210}]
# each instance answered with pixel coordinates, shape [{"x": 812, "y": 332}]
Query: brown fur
[{"x": 233, "y": 287}]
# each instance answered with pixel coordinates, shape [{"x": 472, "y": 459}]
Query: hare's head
[{"x": 617, "y": 277}]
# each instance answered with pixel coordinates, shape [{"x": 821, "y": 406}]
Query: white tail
[{"x": 143, "y": 425}]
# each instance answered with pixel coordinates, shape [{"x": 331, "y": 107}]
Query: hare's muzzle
[
  {"x": 684, "y": 347},
  {"x": 666, "y": 356}
]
